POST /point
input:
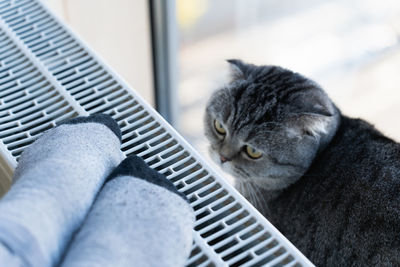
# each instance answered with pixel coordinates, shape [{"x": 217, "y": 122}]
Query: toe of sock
[
  {"x": 104, "y": 119},
  {"x": 135, "y": 166}
]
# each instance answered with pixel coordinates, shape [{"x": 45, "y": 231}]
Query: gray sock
[
  {"x": 138, "y": 219},
  {"x": 55, "y": 183}
]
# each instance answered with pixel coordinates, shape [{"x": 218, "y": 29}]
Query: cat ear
[
  {"x": 316, "y": 126},
  {"x": 312, "y": 102},
  {"x": 314, "y": 113},
  {"x": 238, "y": 69},
  {"x": 308, "y": 125}
]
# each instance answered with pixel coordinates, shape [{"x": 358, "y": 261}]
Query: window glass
[{"x": 350, "y": 47}]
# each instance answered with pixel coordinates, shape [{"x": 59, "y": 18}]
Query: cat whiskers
[
  {"x": 254, "y": 195},
  {"x": 263, "y": 207},
  {"x": 242, "y": 172}
]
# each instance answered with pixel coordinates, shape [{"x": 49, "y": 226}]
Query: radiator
[{"x": 48, "y": 74}]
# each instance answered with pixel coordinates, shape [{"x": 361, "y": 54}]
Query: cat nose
[{"x": 223, "y": 159}]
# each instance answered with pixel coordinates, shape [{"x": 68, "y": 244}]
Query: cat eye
[
  {"x": 219, "y": 128},
  {"x": 252, "y": 152}
]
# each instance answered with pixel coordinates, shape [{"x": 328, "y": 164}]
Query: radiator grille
[
  {"x": 47, "y": 74},
  {"x": 29, "y": 104}
]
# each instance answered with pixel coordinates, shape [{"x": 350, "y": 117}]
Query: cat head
[{"x": 267, "y": 124}]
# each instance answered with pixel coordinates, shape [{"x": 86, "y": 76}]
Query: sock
[
  {"x": 55, "y": 183},
  {"x": 137, "y": 219}
]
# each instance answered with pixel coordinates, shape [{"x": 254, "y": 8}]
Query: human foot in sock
[
  {"x": 138, "y": 218},
  {"x": 55, "y": 183}
]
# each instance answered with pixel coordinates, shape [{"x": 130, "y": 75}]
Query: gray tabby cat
[{"x": 329, "y": 183}]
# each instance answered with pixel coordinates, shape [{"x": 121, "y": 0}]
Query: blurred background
[{"x": 174, "y": 52}]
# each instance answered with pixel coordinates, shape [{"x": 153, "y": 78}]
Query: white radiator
[{"x": 47, "y": 74}]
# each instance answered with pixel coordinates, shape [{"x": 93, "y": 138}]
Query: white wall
[{"x": 118, "y": 31}]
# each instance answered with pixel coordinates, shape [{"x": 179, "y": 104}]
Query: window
[{"x": 351, "y": 48}]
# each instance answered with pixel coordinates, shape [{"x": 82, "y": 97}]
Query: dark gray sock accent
[
  {"x": 135, "y": 166},
  {"x": 105, "y": 119}
]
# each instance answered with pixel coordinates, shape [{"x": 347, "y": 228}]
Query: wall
[{"x": 118, "y": 31}]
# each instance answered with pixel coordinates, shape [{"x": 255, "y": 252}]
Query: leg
[
  {"x": 138, "y": 218},
  {"x": 55, "y": 183}
]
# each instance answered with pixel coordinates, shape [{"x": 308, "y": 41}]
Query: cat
[{"x": 328, "y": 182}]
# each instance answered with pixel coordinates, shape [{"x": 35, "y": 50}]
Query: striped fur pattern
[{"x": 330, "y": 183}]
